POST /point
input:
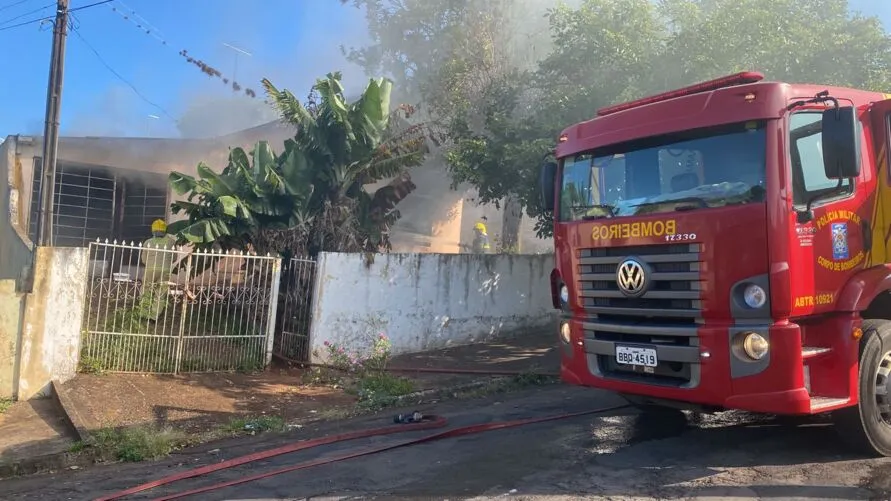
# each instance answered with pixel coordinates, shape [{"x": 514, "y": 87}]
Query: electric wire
[
  {"x": 44, "y": 18},
  {"x": 82, "y": 7},
  {"x": 120, "y": 77},
  {"x": 146, "y": 28},
  {"x": 30, "y": 12},
  {"x": 13, "y": 4}
]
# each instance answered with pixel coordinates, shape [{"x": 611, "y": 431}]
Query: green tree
[
  {"x": 458, "y": 57},
  {"x": 312, "y": 197},
  {"x": 820, "y": 41},
  {"x": 607, "y": 51}
]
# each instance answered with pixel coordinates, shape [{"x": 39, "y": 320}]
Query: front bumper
[{"x": 711, "y": 374}]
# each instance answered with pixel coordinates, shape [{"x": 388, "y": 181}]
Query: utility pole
[{"x": 51, "y": 125}]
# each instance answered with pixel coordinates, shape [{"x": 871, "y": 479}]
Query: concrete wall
[
  {"x": 53, "y": 317},
  {"x": 11, "y": 305},
  {"x": 15, "y": 246},
  {"x": 428, "y": 301}
]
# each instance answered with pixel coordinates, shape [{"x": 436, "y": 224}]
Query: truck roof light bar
[{"x": 745, "y": 77}]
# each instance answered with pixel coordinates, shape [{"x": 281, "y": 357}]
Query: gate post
[
  {"x": 273, "y": 311},
  {"x": 182, "y": 320}
]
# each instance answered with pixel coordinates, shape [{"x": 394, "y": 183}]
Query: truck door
[
  {"x": 838, "y": 241},
  {"x": 880, "y": 136}
]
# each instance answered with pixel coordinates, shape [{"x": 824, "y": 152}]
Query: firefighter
[
  {"x": 157, "y": 258},
  {"x": 480, "y": 237}
]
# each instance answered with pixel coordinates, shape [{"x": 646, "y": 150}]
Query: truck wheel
[{"x": 867, "y": 426}]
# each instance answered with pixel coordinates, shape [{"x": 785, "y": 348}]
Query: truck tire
[{"x": 867, "y": 426}]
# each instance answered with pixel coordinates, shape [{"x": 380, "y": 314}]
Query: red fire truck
[{"x": 726, "y": 246}]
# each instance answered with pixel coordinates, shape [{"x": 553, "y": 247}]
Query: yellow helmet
[{"x": 158, "y": 225}]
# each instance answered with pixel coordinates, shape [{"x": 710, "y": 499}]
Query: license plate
[{"x": 631, "y": 355}]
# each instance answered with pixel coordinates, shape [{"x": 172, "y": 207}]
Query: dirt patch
[{"x": 195, "y": 402}]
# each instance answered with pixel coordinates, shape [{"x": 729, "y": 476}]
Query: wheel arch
[{"x": 866, "y": 293}]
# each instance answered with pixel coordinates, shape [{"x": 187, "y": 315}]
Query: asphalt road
[{"x": 619, "y": 455}]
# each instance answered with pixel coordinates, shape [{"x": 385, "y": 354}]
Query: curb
[{"x": 72, "y": 417}]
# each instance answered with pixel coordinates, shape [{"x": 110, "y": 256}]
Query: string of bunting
[{"x": 144, "y": 26}]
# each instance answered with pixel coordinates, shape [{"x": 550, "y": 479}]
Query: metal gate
[
  {"x": 171, "y": 310},
  {"x": 295, "y": 311}
]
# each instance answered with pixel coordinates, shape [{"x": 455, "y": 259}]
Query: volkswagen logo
[{"x": 632, "y": 277}]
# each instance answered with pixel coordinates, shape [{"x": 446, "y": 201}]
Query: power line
[
  {"x": 205, "y": 68},
  {"x": 35, "y": 11},
  {"x": 82, "y": 7},
  {"x": 4, "y": 28},
  {"x": 143, "y": 21},
  {"x": 120, "y": 77},
  {"x": 45, "y": 18},
  {"x": 13, "y": 4}
]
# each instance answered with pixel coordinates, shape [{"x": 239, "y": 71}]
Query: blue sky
[{"x": 291, "y": 42}]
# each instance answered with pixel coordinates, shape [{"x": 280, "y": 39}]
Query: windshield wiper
[
  {"x": 699, "y": 201},
  {"x": 608, "y": 209}
]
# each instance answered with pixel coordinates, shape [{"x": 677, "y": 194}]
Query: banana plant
[
  {"x": 312, "y": 197},
  {"x": 255, "y": 191}
]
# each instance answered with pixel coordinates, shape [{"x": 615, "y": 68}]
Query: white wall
[
  {"x": 53, "y": 320},
  {"x": 428, "y": 301}
]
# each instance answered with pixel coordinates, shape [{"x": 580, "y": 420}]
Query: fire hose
[{"x": 424, "y": 423}]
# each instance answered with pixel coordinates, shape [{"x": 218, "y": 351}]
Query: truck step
[
  {"x": 819, "y": 404},
  {"x": 812, "y": 351}
]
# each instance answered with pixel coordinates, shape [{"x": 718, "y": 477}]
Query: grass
[
  {"x": 377, "y": 391},
  {"x": 253, "y": 425},
  {"x": 5, "y": 404},
  {"x": 145, "y": 443},
  {"x": 135, "y": 444},
  {"x": 231, "y": 351}
]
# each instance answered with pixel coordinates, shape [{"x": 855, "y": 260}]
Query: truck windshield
[{"x": 686, "y": 171}]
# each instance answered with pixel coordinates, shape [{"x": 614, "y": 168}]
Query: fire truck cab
[{"x": 725, "y": 246}]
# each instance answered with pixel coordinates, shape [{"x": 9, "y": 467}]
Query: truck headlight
[
  {"x": 754, "y": 296},
  {"x": 755, "y": 346},
  {"x": 564, "y": 295},
  {"x": 565, "y": 334}
]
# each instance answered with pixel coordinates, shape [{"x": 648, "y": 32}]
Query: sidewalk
[
  {"x": 197, "y": 402},
  {"x": 34, "y": 428}
]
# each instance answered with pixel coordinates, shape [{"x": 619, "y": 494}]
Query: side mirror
[
  {"x": 841, "y": 143},
  {"x": 547, "y": 180}
]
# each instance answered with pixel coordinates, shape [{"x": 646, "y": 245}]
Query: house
[{"x": 114, "y": 187}]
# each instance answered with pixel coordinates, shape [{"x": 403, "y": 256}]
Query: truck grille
[{"x": 664, "y": 318}]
